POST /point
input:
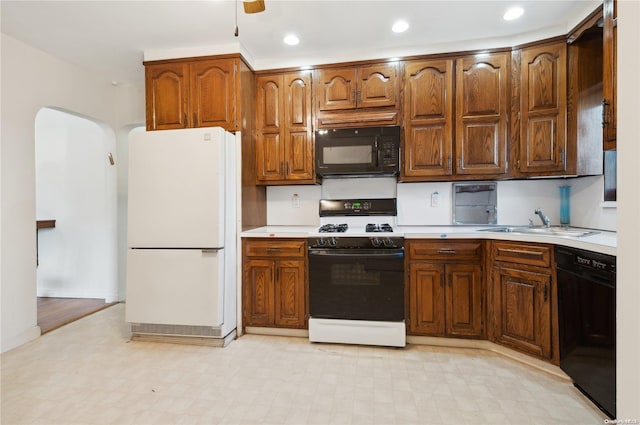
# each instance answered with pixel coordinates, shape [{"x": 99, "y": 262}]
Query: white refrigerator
[{"x": 182, "y": 231}]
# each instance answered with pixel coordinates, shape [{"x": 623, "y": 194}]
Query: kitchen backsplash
[{"x": 430, "y": 203}]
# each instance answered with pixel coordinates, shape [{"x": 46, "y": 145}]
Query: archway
[{"x": 76, "y": 187}]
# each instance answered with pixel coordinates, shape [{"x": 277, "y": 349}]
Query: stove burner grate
[
  {"x": 378, "y": 228},
  {"x": 333, "y": 228}
]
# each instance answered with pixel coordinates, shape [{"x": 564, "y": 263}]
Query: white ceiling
[{"x": 113, "y": 37}]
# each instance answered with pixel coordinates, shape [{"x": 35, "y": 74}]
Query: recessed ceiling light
[
  {"x": 400, "y": 26},
  {"x": 513, "y": 13},
  {"x": 291, "y": 40}
]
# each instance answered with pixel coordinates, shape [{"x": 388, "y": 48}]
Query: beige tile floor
[{"x": 89, "y": 372}]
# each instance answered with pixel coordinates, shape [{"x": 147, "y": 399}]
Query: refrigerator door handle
[{"x": 210, "y": 250}]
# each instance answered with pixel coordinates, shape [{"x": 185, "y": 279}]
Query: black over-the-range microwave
[{"x": 367, "y": 151}]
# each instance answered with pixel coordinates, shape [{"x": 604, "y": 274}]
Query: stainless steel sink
[{"x": 551, "y": 231}]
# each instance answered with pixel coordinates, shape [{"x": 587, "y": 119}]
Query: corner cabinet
[
  {"x": 367, "y": 95},
  {"x": 274, "y": 282},
  {"x": 609, "y": 74},
  {"x": 541, "y": 110},
  {"x": 189, "y": 93},
  {"x": 284, "y": 144},
  {"x": 482, "y": 107},
  {"x": 522, "y": 293},
  {"x": 428, "y": 118},
  {"x": 445, "y": 291}
]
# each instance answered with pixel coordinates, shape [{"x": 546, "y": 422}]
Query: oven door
[{"x": 357, "y": 284}]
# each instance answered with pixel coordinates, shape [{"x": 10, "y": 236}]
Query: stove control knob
[
  {"x": 389, "y": 243},
  {"x": 333, "y": 242},
  {"x": 322, "y": 242},
  {"x": 376, "y": 242}
]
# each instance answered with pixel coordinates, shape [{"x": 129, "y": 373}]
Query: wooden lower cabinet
[
  {"x": 274, "y": 283},
  {"x": 522, "y": 293},
  {"x": 523, "y": 317},
  {"x": 445, "y": 298}
]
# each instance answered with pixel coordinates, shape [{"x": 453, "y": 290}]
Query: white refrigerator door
[
  {"x": 176, "y": 189},
  {"x": 175, "y": 286}
]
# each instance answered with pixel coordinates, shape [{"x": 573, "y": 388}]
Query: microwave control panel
[{"x": 388, "y": 151}]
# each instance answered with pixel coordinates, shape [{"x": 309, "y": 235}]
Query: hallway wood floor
[{"x": 56, "y": 312}]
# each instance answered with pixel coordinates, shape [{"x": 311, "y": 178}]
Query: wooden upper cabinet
[
  {"x": 213, "y": 93},
  {"x": 377, "y": 86},
  {"x": 298, "y": 127},
  {"x": 609, "y": 73},
  {"x": 428, "y": 112},
  {"x": 269, "y": 142},
  {"x": 167, "y": 95},
  {"x": 372, "y": 86},
  {"x": 284, "y": 145},
  {"x": 367, "y": 95},
  {"x": 482, "y": 96},
  {"x": 192, "y": 93},
  {"x": 336, "y": 89},
  {"x": 543, "y": 109}
]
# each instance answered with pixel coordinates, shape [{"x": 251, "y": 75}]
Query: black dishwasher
[{"x": 587, "y": 323}]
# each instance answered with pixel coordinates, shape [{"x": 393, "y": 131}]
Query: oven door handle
[{"x": 371, "y": 253}]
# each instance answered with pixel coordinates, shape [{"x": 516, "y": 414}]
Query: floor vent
[{"x": 176, "y": 330}]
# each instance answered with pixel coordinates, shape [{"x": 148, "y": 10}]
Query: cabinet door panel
[
  {"x": 428, "y": 151},
  {"x": 464, "y": 300},
  {"x": 298, "y": 132},
  {"x": 269, "y": 155},
  {"x": 428, "y": 106},
  {"x": 336, "y": 89},
  {"x": 481, "y": 148},
  {"x": 299, "y": 156},
  {"x": 270, "y": 128},
  {"x": 259, "y": 281},
  {"x": 378, "y": 86},
  {"x": 544, "y": 109},
  {"x": 426, "y": 298},
  {"x": 167, "y": 95},
  {"x": 290, "y": 294},
  {"x": 213, "y": 94},
  {"x": 269, "y": 98},
  {"x": 523, "y": 317},
  {"x": 481, "y": 119}
]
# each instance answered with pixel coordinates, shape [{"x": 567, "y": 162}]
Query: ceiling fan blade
[{"x": 253, "y": 6}]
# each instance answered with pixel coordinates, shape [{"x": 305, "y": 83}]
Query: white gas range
[{"x": 356, "y": 274}]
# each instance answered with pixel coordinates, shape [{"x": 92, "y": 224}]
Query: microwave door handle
[{"x": 377, "y": 151}]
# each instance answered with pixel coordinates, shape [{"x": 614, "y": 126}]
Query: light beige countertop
[
  {"x": 603, "y": 242},
  {"x": 279, "y": 232}
]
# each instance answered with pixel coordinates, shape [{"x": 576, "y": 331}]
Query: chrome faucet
[{"x": 545, "y": 219}]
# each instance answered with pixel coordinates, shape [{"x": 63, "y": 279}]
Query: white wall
[
  {"x": 30, "y": 80},
  {"x": 76, "y": 186},
  {"x": 628, "y": 285},
  {"x": 517, "y": 201}
]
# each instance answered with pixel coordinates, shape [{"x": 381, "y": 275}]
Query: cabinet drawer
[
  {"x": 275, "y": 248},
  {"x": 522, "y": 253},
  {"x": 454, "y": 250}
]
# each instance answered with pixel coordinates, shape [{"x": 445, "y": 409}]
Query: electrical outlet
[
  {"x": 295, "y": 201},
  {"x": 435, "y": 199}
]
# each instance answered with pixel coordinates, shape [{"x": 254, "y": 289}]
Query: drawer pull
[
  {"x": 273, "y": 249},
  {"x": 446, "y": 251}
]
